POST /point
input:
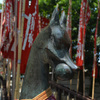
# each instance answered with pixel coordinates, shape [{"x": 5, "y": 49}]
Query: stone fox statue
[{"x": 50, "y": 48}]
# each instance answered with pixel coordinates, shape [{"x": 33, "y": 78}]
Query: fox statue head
[{"x": 58, "y": 47}]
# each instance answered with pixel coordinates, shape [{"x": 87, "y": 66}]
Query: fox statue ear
[
  {"x": 63, "y": 19},
  {"x": 55, "y": 17}
]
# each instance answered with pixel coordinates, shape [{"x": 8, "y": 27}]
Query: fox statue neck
[{"x": 36, "y": 79}]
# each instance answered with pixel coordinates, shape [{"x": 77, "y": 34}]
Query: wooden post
[
  {"x": 59, "y": 94},
  {"x": 8, "y": 77},
  {"x": 16, "y": 95},
  {"x": 4, "y": 64},
  {"x": 4, "y": 61},
  {"x": 15, "y": 43},
  {"x": 20, "y": 38},
  {"x": 83, "y": 56},
  {"x": 1, "y": 22},
  {"x": 93, "y": 84},
  {"x": 78, "y": 81}
]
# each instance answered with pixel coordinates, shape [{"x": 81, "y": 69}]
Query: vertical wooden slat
[
  {"x": 20, "y": 38},
  {"x": 4, "y": 65},
  {"x": 68, "y": 96},
  {"x": 1, "y": 21},
  {"x": 59, "y": 94},
  {"x": 78, "y": 81},
  {"x": 83, "y": 54},
  {"x": 95, "y": 49},
  {"x": 15, "y": 43},
  {"x": 4, "y": 61},
  {"x": 19, "y": 55},
  {"x": 8, "y": 78}
]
